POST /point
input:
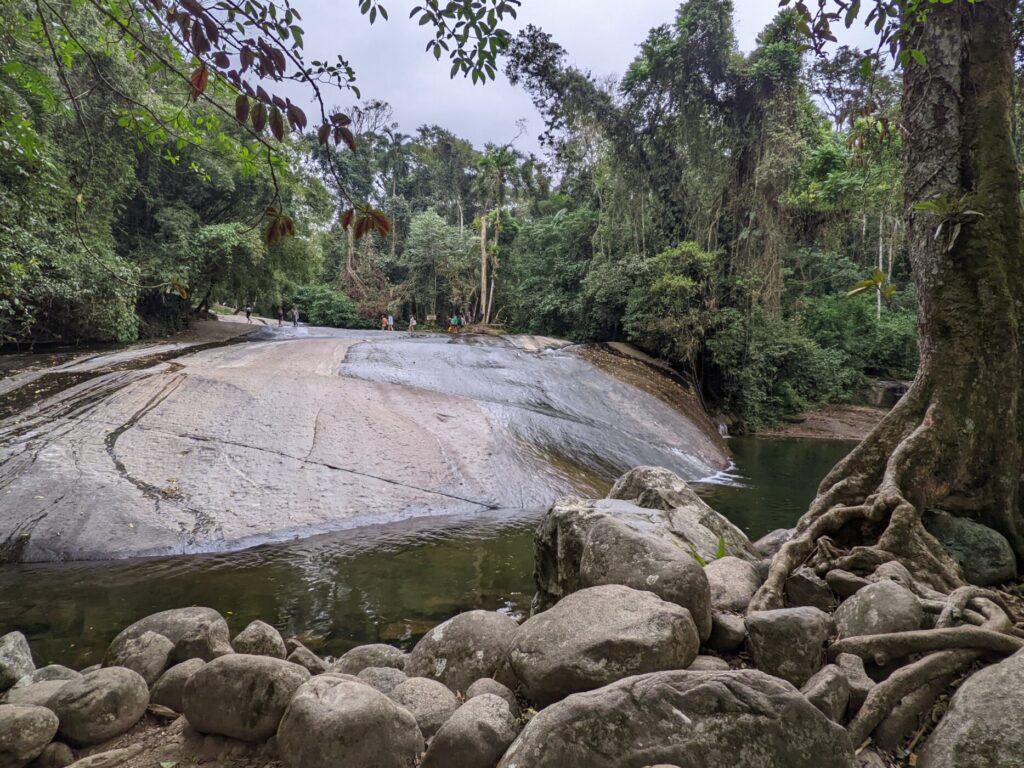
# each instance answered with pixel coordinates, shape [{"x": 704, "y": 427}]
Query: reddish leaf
[
  {"x": 347, "y": 137},
  {"x": 245, "y": 56},
  {"x": 199, "y": 79},
  {"x": 278, "y": 102},
  {"x": 259, "y": 117},
  {"x": 296, "y": 117},
  {"x": 199, "y": 41},
  {"x": 346, "y": 218},
  {"x": 212, "y": 31},
  {"x": 221, "y": 60},
  {"x": 340, "y": 119},
  {"x": 241, "y": 108},
  {"x": 324, "y": 133},
  {"x": 276, "y": 123},
  {"x": 192, "y": 7},
  {"x": 262, "y": 95}
]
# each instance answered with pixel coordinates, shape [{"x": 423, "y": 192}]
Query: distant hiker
[
  {"x": 280, "y": 316},
  {"x": 391, "y": 322},
  {"x": 412, "y": 323},
  {"x": 383, "y": 322},
  {"x": 295, "y": 317},
  {"x": 248, "y": 314}
]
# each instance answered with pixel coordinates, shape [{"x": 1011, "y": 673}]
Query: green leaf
[{"x": 720, "y": 551}]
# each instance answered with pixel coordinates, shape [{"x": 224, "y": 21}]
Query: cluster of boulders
[{"x": 639, "y": 652}]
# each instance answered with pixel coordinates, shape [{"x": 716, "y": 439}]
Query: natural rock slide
[
  {"x": 656, "y": 665},
  {"x": 293, "y": 432}
]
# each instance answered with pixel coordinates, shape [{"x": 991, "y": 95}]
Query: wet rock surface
[{"x": 142, "y": 450}]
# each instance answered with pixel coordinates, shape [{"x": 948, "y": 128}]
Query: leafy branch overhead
[{"x": 246, "y": 50}]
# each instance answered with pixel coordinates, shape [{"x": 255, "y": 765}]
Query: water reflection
[{"x": 384, "y": 584}]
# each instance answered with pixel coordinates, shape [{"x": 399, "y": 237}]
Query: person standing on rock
[
  {"x": 412, "y": 323},
  {"x": 280, "y": 315},
  {"x": 295, "y": 317},
  {"x": 391, "y": 322},
  {"x": 248, "y": 314}
]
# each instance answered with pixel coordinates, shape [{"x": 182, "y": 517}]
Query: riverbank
[{"x": 831, "y": 422}]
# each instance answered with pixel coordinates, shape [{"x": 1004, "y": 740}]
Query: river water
[{"x": 379, "y": 584}]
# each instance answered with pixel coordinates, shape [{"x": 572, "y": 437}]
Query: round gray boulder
[
  {"x": 241, "y": 696},
  {"x": 733, "y": 583},
  {"x": 197, "y": 633},
  {"x": 48, "y": 674},
  {"x": 375, "y": 655},
  {"x": 354, "y": 727},
  {"x": 476, "y": 736},
  {"x": 493, "y": 687},
  {"x": 24, "y": 733},
  {"x": 56, "y": 755},
  {"x": 384, "y": 679},
  {"x": 101, "y": 705},
  {"x": 15, "y": 659},
  {"x": 429, "y": 701},
  {"x": 984, "y": 725},
  {"x": 260, "y": 639},
  {"x": 617, "y": 553},
  {"x": 149, "y": 654},
  {"x": 308, "y": 660},
  {"x": 169, "y": 689},
  {"x": 35, "y": 695},
  {"x": 985, "y": 555},
  {"x": 598, "y": 635},
  {"x": 738, "y": 719},
  {"x": 877, "y": 609},
  {"x": 463, "y": 649},
  {"x": 788, "y": 642}
]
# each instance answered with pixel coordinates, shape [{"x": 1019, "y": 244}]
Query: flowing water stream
[{"x": 388, "y": 583}]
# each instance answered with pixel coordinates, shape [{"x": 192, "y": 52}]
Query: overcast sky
[{"x": 391, "y": 64}]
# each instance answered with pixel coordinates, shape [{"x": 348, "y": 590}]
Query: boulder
[
  {"x": 375, "y": 655},
  {"x": 35, "y": 695},
  {"x": 55, "y": 755},
  {"x": 708, "y": 664},
  {"x": 355, "y": 727},
  {"x": 565, "y": 527},
  {"x": 429, "y": 701},
  {"x": 476, "y": 736},
  {"x": 197, "y": 633},
  {"x": 463, "y": 649},
  {"x": 384, "y": 679},
  {"x": 308, "y": 660},
  {"x": 738, "y": 719},
  {"x": 985, "y": 555},
  {"x": 688, "y": 516},
  {"x": 598, "y": 635},
  {"x": 879, "y": 608},
  {"x": 260, "y": 639},
  {"x": 788, "y": 642},
  {"x": 829, "y": 691},
  {"x": 168, "y": 690},
  {"x": 859, "y": 681},
  {"x": 493, "y": 687},
  {"x": 984, "y": 725},
  {"x": 241, "y": 696},
  {"x": 617, "y": 553},
  {"x": 728, "y": 632},
  {"x": 769, "y": 545},
  {"x": 101, "y": 705},
  {"x": 15, "y": 659},
  {"x": 733, "y": 583},
  {"x": 24, "y": 733},
  {"x": 805, "y": 587},
  {"x": 48, "y": 674},
  {"x": 149, "y": 654}
]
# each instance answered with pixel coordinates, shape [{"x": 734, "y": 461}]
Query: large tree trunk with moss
[{"x": 954, "y": 441}]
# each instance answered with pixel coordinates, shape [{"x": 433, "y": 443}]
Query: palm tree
[{"x": 498, "y": 173}]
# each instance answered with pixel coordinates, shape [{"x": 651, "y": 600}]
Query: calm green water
[{"x": 373, "y": 585}]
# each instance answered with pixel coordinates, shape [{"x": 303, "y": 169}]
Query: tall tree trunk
[
  {"x": 483, "y": 263},
  {"x": 954, "y": 441}
]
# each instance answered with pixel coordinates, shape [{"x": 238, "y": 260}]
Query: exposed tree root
[{"x": 884, "y": 649}]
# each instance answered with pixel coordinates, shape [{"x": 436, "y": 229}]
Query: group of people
[
  {"x": 455, "y": 322},
  {"x": 293, "y": 313}
]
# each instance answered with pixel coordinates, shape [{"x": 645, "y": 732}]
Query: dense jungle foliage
[{"x": 713, "y": 207}]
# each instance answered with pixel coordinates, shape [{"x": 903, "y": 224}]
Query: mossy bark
[{"x": 954, "y": 440}]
